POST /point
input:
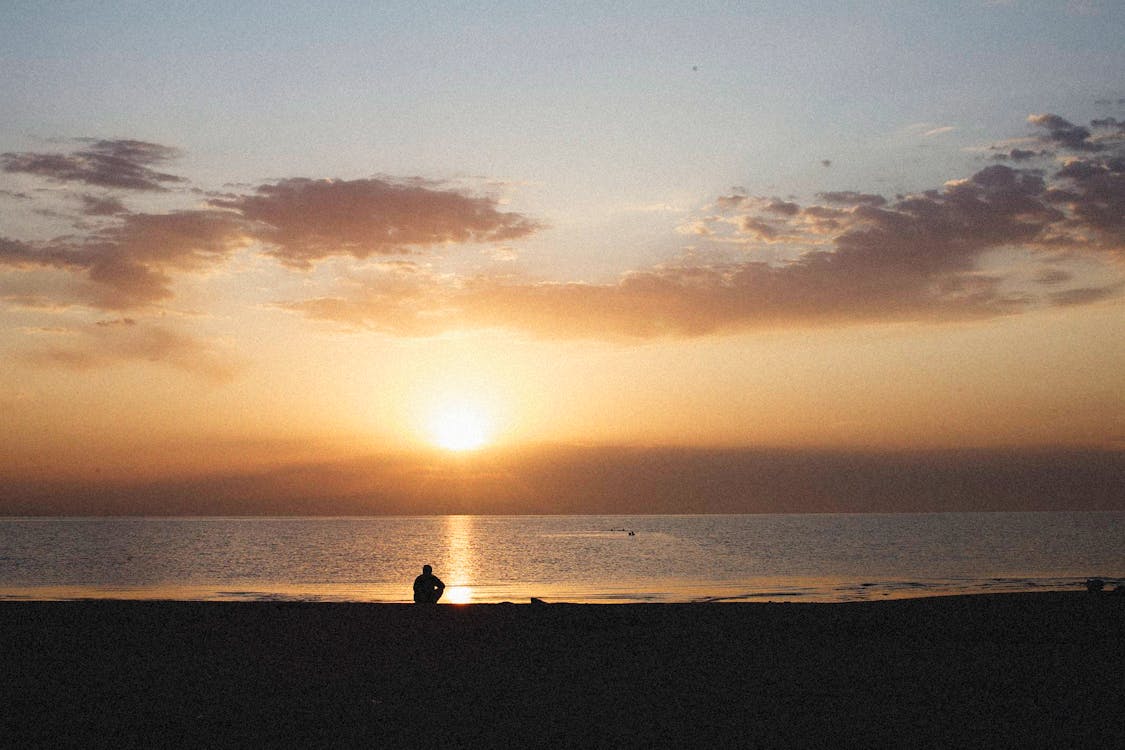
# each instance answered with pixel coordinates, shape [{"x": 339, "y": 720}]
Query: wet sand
[{"x": 1018, "y": 670}]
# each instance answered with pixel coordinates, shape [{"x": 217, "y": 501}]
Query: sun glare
[
  {"x": 459, "y": 594},
  {"x": 460, "y": 427}
]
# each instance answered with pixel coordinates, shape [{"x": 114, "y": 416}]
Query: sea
[{"x": 576, "y": 558}]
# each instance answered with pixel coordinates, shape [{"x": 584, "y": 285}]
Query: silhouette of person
[{"x": 427, "y": 587}]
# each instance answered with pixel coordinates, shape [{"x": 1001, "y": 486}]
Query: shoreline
[
  {"x": 982, "y": 670},
  {"x": 675, "y": 591}
]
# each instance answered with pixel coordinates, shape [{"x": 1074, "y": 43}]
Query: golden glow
[
  {"x": 458, "y": 594},
  {"x": 459, "y": 537},
  {"x": 460, "y": 426}
]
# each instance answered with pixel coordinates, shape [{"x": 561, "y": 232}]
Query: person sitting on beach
[{"x": 427, "y": 587}]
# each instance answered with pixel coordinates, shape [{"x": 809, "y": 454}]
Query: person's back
[{"x": 427, "y": 587}]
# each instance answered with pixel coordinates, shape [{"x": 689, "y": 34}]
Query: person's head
[{"x": 427, "y": 570}]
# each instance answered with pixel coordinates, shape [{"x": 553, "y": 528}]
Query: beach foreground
[{"x": 1019, "y": 670}]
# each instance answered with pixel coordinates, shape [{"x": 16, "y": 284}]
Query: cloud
[
  {"x": 782, "y": 208},
  {"x": 399, "y": 298},
  {"x": 728, "y": 202},
  {"x": 1110, "y": 123},
  {"x": 1052, "y": 276},
  {"x": 757, "y": 229},
  {"x": 845, "y": 257},
  {"x": 1092, "y": 192},
  {"x": 1085, "y": 295},
  {"x": 128, "y": 265},
  {"x": 102, "y": 205},
  {"x": 502, "y": 254},
  {"x": 667, "y": 302},
  {"x": 857, "y": 258},
  {"x": 13, "y": 249},
  {"x": 938, "y": 131},
  {"x": 122, "y": 164},
  {"x": 1107, "y": 133},
  {"x": 1019, "y": 154},
  {"x": 110, "y": 342},
  {"x": 1063, "y": 133},
  {"x": 132, "y": 262},
  {"x": 852, "y": 198},
  {"x": 304, "y": 220},
  {"x": 698, "y": 300}
]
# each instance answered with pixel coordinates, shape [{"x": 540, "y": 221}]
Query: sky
[{"x": 512, "y": 257}]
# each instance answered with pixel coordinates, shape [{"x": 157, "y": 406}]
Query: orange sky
[{"x": 669, "y": 242}]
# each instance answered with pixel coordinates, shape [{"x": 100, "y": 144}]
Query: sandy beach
[{"x": 1020, "y": 670}]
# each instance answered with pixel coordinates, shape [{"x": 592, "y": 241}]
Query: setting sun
[{"x": 459, "y": 427}]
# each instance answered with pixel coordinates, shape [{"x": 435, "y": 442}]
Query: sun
[{"x": 460, "y": 427}]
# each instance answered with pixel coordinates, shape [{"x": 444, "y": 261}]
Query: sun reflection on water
[
  {"x": 459, "y": 532},
  {"x": 458, "y": 594}
]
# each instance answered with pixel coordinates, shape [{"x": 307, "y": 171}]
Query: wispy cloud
[
  {"x": 123, "y": 164},
  {"x": 865, "y": 258},
  {"x": 938, "y": 131},
  {"x": 114, "y": 341},
  {"x": 926, "y": 130},
  {"x": 102, "y": 205},
  {"x": 131, "y": 262},
  {"x": 844, "y": 257}
]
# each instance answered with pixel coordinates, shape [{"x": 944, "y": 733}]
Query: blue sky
[{"x": 628, "y": 105}]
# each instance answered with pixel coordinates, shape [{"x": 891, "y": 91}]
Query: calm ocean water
[{"x": 560, "y": 558}]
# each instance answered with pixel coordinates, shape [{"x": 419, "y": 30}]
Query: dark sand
[{"x": 1021, "y": 670}]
